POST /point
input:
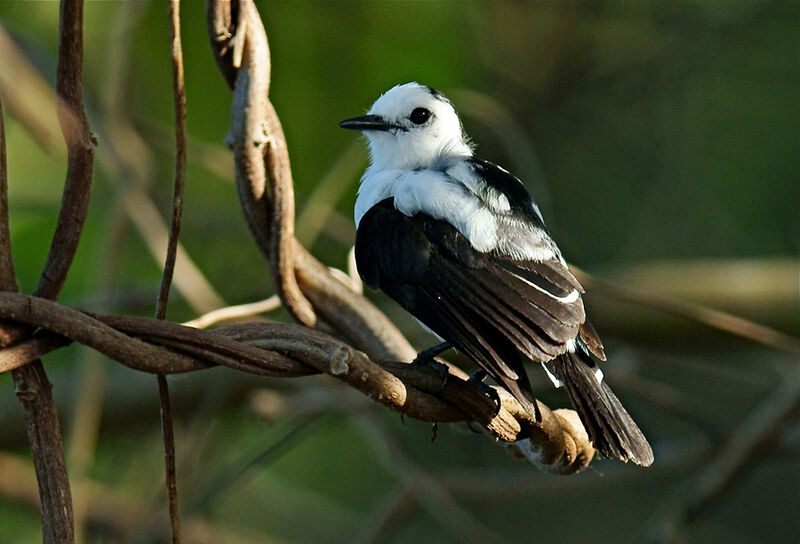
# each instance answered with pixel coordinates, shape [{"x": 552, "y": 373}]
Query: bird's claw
[
  {"x": 426, "y": 358},
  {"x": 476, "y": 380},
  {"x": 429, "y": 362}
]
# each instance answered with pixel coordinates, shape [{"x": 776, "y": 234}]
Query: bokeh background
[{"x": 661, "y": 142}]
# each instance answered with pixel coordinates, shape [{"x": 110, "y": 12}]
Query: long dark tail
[{"x": 613, "y": 432}]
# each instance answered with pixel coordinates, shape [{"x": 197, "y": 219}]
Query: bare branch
[
  {"x": 8, "y": 279},
  {"x": 261, "y": 157},
  {"x": 348, "y": 312},
  {"x": 30, "y": 349},
  {"x": 179, "y": 95},
  {"x": 80, "y": 150},
  {"x": 90, "y": 332},
  {"x": 231, "y": 313},
  {"x": 283, "y": 349}
]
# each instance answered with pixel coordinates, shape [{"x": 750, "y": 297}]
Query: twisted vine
[{"x": 558, "y": 443}]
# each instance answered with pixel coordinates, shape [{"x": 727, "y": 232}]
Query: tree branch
[
  {"x": 349, "y": 313},
  {"x": 179, "y": 99},
  {"x": 31, "y": 384},
  {"x": 80, "y": 151},
  {"x": 286, "y": 350}
]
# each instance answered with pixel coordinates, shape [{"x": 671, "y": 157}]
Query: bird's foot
[
  {"x": 476, "y": 380},
  {"x": 426, "y": 359}
]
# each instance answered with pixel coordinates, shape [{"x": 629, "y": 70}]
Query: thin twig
[
  {"x": 80, "y": 151},
  {"x": 8, "y": 278},
  {"x": 231, "y": 313},
  {"x": 168, "y": 437},
  {"x": 179, "y": 95}
]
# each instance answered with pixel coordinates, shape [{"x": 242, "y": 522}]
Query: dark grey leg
[{"x": 425, "y": 358}]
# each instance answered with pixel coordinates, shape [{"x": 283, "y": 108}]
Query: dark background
[{"x": 661, "y": 142}]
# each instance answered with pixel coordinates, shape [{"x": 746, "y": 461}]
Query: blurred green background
[{"x": 661, "y": 141}]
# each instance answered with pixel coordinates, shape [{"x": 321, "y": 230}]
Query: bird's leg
[
  {"x": 477, "y": 377},
  {"x": 430, "y": 353},
  {"x": 476, "y": 380},
  {"x": 426, "y": 358}
]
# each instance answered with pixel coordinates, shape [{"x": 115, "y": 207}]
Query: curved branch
[
  {"x": 558, "y": 442},
  {"x": 80, "y": 151},
  {"x": 349, "y": 313},
  {"x": 179, "y": 99},
  {"x": 259, "y": 149}
]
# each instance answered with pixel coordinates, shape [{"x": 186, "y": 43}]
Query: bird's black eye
[{"x": 419, "y": 116}]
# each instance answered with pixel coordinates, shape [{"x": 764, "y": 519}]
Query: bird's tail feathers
[{"x": 612, "y": 431}]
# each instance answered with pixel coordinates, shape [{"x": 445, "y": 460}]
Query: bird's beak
[{"x": 368, "y": 122}]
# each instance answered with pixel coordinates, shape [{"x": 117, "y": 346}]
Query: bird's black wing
[
  {"x": 488, "y": 307},
  {"x": 551, "y": 275}
]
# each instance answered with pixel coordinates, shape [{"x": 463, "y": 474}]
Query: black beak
[{"x": 368, "y": 122}]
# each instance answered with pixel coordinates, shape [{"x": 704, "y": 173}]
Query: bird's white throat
[{"x": 410, "y": 146}]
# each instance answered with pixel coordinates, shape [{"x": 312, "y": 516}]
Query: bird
[{"x": 460, "y": 244}]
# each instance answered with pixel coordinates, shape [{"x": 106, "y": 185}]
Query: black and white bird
[{"x": 459, "y": 243}]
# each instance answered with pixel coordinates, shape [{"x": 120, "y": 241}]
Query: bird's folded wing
[{"x": 489, "y": 307}]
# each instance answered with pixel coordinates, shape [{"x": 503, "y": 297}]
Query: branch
[
  {"x": 8, "y": 279},
  {"x": 31, "y": 384},
  {"x": 80, "y": 150},
  {"x": 233, "y": 25},
  {"x": 231, "y": 313},
  {"x": 179, "y": 96},
  {"x": 259, "y": 149},
  {"x": 257, "y": 138},
  {"x": 287, "y": 350}
]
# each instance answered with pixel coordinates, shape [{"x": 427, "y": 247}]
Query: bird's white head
[{"x": 412, "y": 126}]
